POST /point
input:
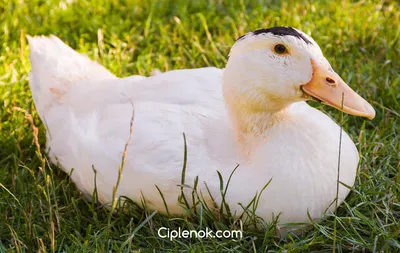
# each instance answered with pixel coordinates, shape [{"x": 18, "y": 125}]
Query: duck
[{"x": 249, "y": 123}]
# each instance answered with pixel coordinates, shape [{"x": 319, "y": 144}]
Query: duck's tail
[{"x": 55, "y": 67}]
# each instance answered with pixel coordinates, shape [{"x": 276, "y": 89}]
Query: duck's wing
[
  {"x": 88, "y": 111},
  {"x": 200, "y": 87},
  {"x": 92, "y": 126}
]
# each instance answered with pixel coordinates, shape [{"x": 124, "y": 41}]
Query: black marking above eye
[
  {"x": 281, "y": 31},
  {"x": 280, "y": 49}
]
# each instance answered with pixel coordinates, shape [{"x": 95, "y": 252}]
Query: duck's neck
[
  {"x": 255, "y": 102},
  {"x": 252, "y": 118}
]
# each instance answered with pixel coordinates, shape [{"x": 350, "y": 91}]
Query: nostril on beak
[{"x": 330, "y": 81}]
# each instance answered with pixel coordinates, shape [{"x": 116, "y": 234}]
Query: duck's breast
[{"x": 301, "y": 156}]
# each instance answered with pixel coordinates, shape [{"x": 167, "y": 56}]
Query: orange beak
[{"x": 330, "y": 89}]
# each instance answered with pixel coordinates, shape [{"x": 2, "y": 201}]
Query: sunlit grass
[{"x": 41, "y": 209}]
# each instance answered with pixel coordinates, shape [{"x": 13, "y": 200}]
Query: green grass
[{"x": 41, "y": 209}]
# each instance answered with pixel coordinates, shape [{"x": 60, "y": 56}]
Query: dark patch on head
[
  {"x": 280, "y": 31},
  {"x": 241, "y": 37}
]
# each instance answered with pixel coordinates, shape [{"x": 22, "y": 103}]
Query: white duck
[{"x": 251, "y": 113}]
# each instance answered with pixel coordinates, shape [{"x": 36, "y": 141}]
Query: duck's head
[{"x": 269, "y": 69}]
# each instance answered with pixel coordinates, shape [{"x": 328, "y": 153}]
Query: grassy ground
[{"x": 40, "y": 208}]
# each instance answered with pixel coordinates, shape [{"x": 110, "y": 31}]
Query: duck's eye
[{"x": 280, "y": 49}]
